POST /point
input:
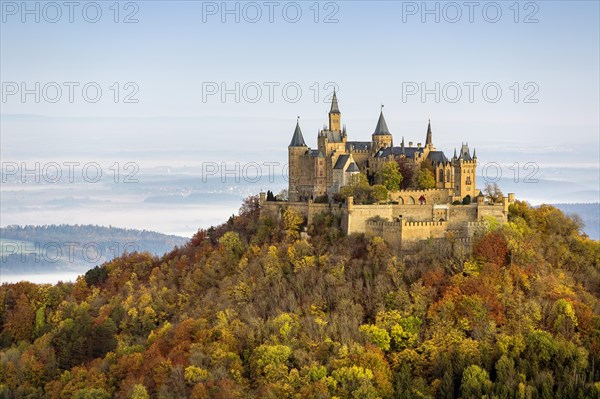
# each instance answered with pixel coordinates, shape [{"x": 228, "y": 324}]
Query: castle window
[
  {"x": 447, "y": 176},
  {"x": 468, "y": 180},
  {"x": 441, "y": 177}
]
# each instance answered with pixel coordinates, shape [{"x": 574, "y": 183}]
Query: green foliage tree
[
  {"x": 232, "y": 244},
  {"x": 139, "y": 392},
  {"x": 389, "y": 176},
  {"x": 379, "y": 193},
  {"x": 292, "y": 220},
  {"x": 358, "y": 187},
  {"x": 475, "y": 383},
  {"x": 377, "y": 336},
  {"x": 425, "y": 179}
]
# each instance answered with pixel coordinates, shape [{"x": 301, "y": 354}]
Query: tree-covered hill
[
  {"x": 248, "y": 309},
  {"x": 589, "y": 214},
  {"x": 55, "y": 248}
]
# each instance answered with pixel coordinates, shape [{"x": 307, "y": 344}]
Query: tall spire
[
  {"x": 454, "y": 157},
  {"x": 428, "y": 138},
  {"x": 297, "y": 139},
  {"x": 381, "y": 128},
  {"x": 334, "y": 104},
  {"x": 402, "y": 145},
  {"x": 474, "y": 154}
]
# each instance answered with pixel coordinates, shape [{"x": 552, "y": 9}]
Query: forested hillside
[
  {"x": 250, "y": 310},
  {"x": 589, "y": 214}
]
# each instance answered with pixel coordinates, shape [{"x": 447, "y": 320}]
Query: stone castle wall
[
  {"x": 401, "y": 226},
  {"x": 391, "y": 232},
  {"x": 432, "y": 196},
  {"x": 309, "y": 210}
]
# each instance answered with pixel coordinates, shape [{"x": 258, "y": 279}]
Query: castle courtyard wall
[{"x": 402, "y": 226}]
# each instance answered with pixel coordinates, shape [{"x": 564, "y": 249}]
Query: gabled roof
[
  {"x": 353, "y": 167},
  {"x": 381, "y": 128},
  {"x": 297, "y": 139},
  {"x": 437, "y": 157},
  {"x": 341, "y": 161}
]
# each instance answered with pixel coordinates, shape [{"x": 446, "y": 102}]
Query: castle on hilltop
[
  {"x": 450, "y": 207},
  {"x": 324, "y": 170}
]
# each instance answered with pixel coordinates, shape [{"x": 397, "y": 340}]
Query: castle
[
  {"x": 452, "y": 207},
  {"x": 323, "y": 171}
]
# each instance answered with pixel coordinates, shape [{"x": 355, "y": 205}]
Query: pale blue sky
[{"x": 370, "y": 53}]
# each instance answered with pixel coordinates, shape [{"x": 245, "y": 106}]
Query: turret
[
  {"x": 296, "y": 151},
  {"x": 382, "y": 138},
  {"x": 297, "y": 138},
  {"x": 334, "y": 114},
  {"x": 465, "y": 172}
]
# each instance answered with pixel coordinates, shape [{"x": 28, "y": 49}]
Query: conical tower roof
[
  {"x": 297, "y": 138},
  {"x": 428, "y": 139},
  {"x": 381, "y": 128},
  {"x": 335, "y": 109}
]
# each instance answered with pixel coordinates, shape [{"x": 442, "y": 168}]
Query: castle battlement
[
  {"x": 422, "y": 190},
  {"x": 386, "y": 224},
  {"x": 475, "y": 224},
  {"x": 421, "y": 224}
]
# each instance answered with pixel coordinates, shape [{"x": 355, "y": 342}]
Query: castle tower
[
  {"x": 465, "y": 178},
  {"x": 382, "y": 138},
  {"x": 296, "y": 151},
  {"x": 334, "y": 115}
]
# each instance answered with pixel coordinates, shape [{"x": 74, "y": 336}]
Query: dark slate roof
[
  {"x": 437, "y": 157},
  {"x": 341, "y": 161},
  {"x": 428, "y": 139},
  {"x": 297, "y": 139},
  {"x": 381, "y": 127},
  {"x": 464, "y": 153},
  {"x": 397, "y": 151},
  {"x": 334, "y": 105},
  {"x": 353, "y": 167},
  {"x": 358, "y": 145},
  {"x": 333, "y": 137},
  {"x": 314, "y": 153},
  {"x": 411, "y": 151}
]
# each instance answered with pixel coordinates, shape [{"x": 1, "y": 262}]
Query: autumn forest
[{"x": 255, "y": 309}]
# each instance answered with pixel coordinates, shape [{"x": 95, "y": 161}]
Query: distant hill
[
  {"x": 589, "y": 214},
  {"x": 49, "y": 248}
]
